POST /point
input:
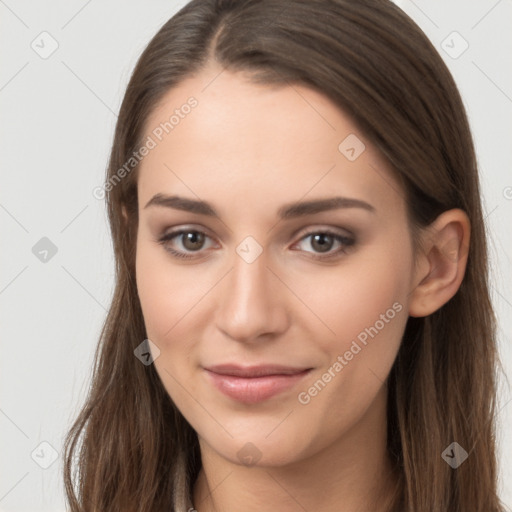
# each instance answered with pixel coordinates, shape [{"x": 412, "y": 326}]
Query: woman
[{"x": 322, "y": 338}]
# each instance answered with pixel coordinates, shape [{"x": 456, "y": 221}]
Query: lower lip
[{"x": 254, "y": 389}]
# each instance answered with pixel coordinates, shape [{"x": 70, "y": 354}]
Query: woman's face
[{"x": 262, "y": 283}]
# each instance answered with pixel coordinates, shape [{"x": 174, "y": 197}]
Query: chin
[{"x": 258, "y": 450}]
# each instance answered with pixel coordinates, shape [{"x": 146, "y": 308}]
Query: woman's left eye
[{"x": 323, "y": 240}]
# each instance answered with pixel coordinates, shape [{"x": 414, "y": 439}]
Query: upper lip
[{"x": 254, "y": 371}]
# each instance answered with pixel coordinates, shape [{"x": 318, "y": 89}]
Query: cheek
[
  {"x": 364, "y": 303},
  {"x": 166, "y": 295},
  {"x": 168, "y": 298},
  {"x": 357, "y": 295}
]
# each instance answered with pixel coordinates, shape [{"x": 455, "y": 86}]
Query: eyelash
[{"x": 344, "y": 240}]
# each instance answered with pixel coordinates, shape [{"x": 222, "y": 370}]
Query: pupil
[
  {"x": 195, "y": 238},
  {"x": 323, "y": 247}
]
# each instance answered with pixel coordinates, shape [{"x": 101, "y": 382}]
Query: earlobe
[{"x": 442, "y": 262}]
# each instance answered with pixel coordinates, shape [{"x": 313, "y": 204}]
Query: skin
[{"x": 248, "y": 150}]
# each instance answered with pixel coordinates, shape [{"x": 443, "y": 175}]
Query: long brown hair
[{"x": 130, "y": 448}]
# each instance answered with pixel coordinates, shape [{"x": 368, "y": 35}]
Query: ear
[
  {"x": 441, "y": 262},
  {"x": 125, "y": 214}
]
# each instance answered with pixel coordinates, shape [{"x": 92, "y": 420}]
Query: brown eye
[
  {"x": 323, "y": 241},
  {"x": 191, "y": 241}
]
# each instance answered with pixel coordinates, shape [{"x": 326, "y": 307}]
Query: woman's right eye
[{"x": 193, "y": 242}]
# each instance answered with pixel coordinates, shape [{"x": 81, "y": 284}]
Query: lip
[{"x": 254, "y": 384}]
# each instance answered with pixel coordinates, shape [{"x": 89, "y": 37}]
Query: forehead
[{"x": 269, "y": 141}]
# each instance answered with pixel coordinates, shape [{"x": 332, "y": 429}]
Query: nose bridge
[{"x": 251, "y": 302}]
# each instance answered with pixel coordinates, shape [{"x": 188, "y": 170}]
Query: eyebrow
[{"x": 288, "y": 211}]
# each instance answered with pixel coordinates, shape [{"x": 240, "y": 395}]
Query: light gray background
[{"x": 57, "y": 121}]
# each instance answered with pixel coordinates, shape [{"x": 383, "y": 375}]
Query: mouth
[{"x": 254, "y": 384}]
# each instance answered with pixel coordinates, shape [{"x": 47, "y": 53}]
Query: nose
[{"x": 253, "y": 301}]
